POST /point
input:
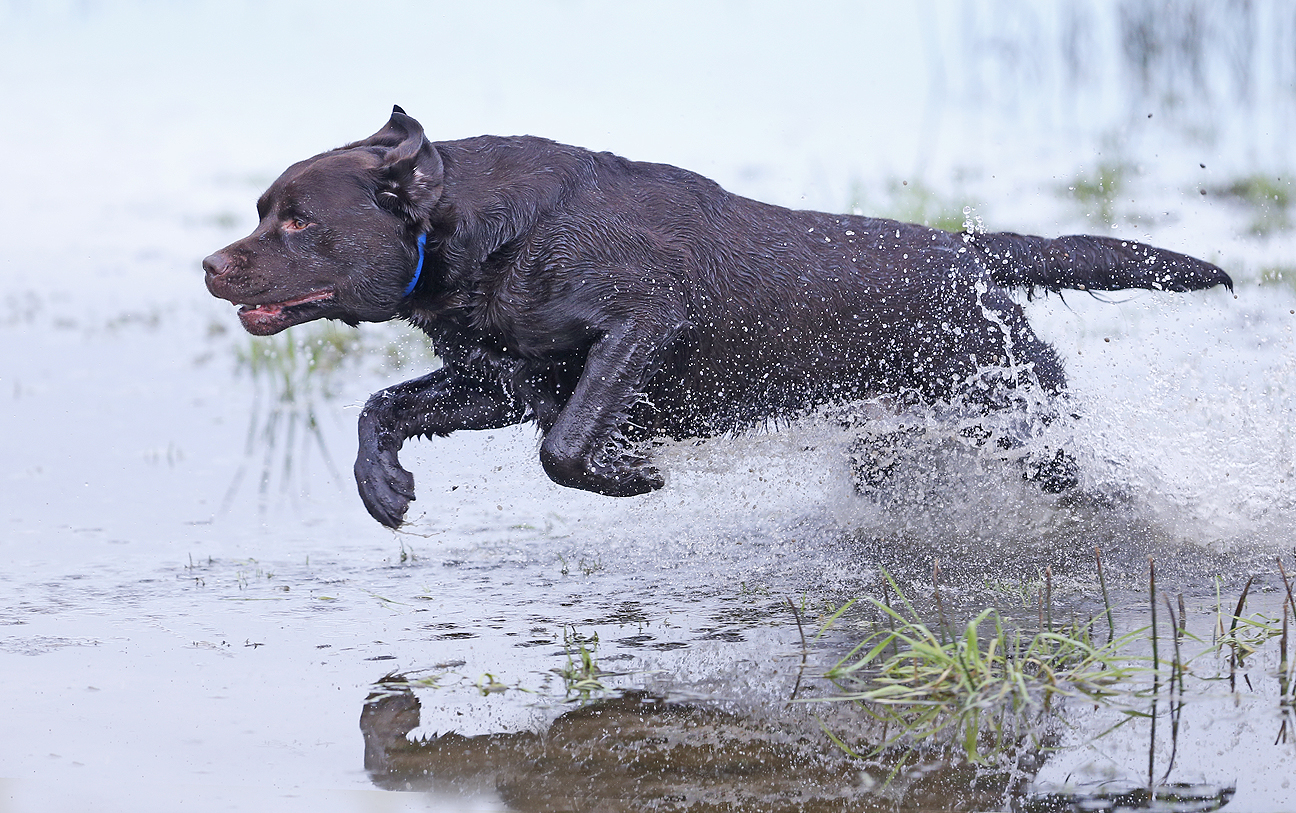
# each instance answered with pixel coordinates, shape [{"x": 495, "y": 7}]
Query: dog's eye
[{"x": 296, "y": 224}]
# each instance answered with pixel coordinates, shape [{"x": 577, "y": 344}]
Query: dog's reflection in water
[{"x": 640, "y": 752}]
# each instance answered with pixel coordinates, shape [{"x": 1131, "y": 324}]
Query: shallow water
[{"x": 196, "y": 611}]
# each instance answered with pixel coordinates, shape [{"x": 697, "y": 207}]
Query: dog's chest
[{"x": 481, "y": 329}]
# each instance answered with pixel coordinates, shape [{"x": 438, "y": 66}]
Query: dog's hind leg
[
  {"x": 439, "y": 403},
  {"x": 879, "y": 452},
  {"x": 1006, "y": 407},
  {"x": 1016, "y": 423}
]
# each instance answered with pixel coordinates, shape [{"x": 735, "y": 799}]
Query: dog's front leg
[
  {"x": 436, "y": 404},
  {"x": 580, "y": 449}
]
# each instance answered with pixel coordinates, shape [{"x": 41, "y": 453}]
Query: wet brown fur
[{"x": 604, "y": 298}]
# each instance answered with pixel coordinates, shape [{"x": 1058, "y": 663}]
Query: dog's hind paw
[
  {"x": 1054, "y": 474},
  {"x": 875, "y": 455},
  {"x": 385, "y": 487}
]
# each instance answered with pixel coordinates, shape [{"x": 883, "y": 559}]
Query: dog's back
[{"x": 779, "y": 308}]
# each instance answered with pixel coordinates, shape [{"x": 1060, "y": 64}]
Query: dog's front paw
[{"x": 385, "y": 487}]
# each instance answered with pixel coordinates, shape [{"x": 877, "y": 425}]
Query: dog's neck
[{"x": 418, "y": 269}]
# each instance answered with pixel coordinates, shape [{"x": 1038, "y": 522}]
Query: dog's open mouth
[{"x": 272, "y": 317}]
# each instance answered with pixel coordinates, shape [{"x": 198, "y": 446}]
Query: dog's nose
[{"x": 215, "y": 265}]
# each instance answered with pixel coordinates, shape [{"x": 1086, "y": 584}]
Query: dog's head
[{"x": 339, "y": 234}]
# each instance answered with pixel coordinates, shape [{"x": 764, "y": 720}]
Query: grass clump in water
[
  {"x": 295, "y": 360},
  {"x": 977, "y": 687},
  {"x": 582, "y": 677},
  {"x": 1278, "y": 275},
  {"x": 294, "y": 373},
  {"x": 989, "y": 691}
]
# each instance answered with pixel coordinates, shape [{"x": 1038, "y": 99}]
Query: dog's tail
[{"x": 1086, "y": 263}]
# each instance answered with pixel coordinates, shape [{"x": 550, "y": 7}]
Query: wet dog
[{"x": 609, "y": 300}]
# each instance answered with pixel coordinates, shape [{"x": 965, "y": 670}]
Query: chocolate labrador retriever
[{"x": 610, "y": 300}]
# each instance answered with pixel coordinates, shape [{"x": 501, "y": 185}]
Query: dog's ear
[
  {"x": 410, "y": 172},
  {"x": 392, "y": 133}
]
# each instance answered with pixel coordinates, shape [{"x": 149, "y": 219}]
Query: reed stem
[
  {"x": 1048, "y": 596},
  {"x": 946, "y": 633},
  {"x": 1156, "y": 674},
  {"x": 1102, "y": 582}
]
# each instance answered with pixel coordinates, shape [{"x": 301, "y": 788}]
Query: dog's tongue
[
  {"x": 273, "y": 309},
  {"x": 261, "y": 320},
  {"x": 272, "y": 317}
]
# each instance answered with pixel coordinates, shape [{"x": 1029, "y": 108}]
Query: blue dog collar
[{"x": 418, "y": 269}]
